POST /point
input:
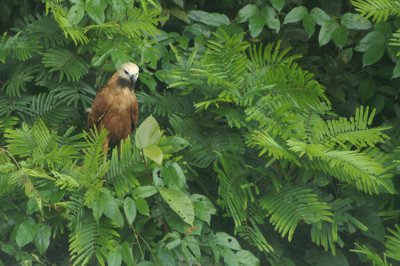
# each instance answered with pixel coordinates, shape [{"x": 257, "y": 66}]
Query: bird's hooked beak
[{"x": 133, "y": 79}]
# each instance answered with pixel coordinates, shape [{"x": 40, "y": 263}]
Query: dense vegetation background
[{"x": 268, "y": 133}]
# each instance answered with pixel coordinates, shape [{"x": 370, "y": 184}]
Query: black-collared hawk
[{"x": 115, "y": 106}]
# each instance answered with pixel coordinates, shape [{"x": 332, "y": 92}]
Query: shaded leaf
[{"x": 180, "y": 203}]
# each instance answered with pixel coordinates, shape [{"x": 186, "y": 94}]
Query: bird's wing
[
  {"x": 134, "y": 112},
  {"x": 99, "y": 108}
]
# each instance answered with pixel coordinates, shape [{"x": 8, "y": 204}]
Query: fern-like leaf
[
  {"x": 92, "y": 239},
  {"x": 378, "y": 10},
  {"x": 291, "y": 205},
  {"x": 69, "y": 65},
  {"x": 393, "y": 243}
]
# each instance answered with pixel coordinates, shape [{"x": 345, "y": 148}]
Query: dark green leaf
[
  {"x": 142, "y": 206},
  {"x": 111, "y": 210},
  {"x": 346, "y": 55},
  {"x": 180, "y": 203},
  {"x": 42, "y": 239},
  {"x": 174, "y": 176},
  {"x": 321, "y": 258},
  {"x": 190, "y": 247},
  {"x": 340, "y": 36},
  {"x": 246, "y": 258},
  {"x": 396, "y": 70},
  {"x": 223, "y": 239},
  {"x": 246, "y": 12},
  {"x": 203, "y": 208},
  {"x": 130, "y": 209},
  {"x": 320, "y": 16},
  {"x": 211, "y": 19},
  {"x": 366, "y": 89},
  {"x": 374, "y": 38},
  {"x": 325, "y": 34},
  {"x": 144, "y": 192},
  {"x": 256, "y": 24},
  {"x": 75, "y": 14},
  {"x": 179, "y": 3},
  {"x": 271, "y": 19},
  {"x": 127, "y": 255},
  {"x": 373, "y": 54},
  {"x": 355, "y": 22},
  {"x": 95, "y": 10},
  {"x": 278, "y": 4},
  {"x": 115, "y": 258},
  {"x": 295, "y": 15},
  {"x": 26, "y": 233},
  {"x": 309, "y": 24}
]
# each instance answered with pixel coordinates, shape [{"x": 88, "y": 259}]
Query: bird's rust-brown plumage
[{"x": 115, "y": 106}]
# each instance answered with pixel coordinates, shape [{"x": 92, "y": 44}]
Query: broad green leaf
[
  {"x": 346, "y": 55},
  {"x": 111, "y": 210},
  {"x": 154, "y": 153},
  {"x": 373, "y": 54},
  {"x": 42, "y": 239},
  {"x": 271, "y": 19},
  {"x": 295, "y": 15},
  {"x": 320, "y": 16},
  {"x": 366, "y": 89},
  {"x": 95, "y": 9},
  {"x": 180, "y": 203},
  {"x": 211, "y": 19},
  {"x": 374, "y": 38},
  {"x": 119, "y": 8},
  {"x": 148, "y": 133},
  {"x": 229, "y": 257},
  {"x": 174, "y": 176},
  {"x": 180, "y": 14},
  {"x": 191, "y": 248},
  {"x": 278, "y": 4},
  {"x": 325, "y": 34},
  {"x": 340, "y": 36},
  {"x": 396, "y": 70},
  {"x": 309, "y": 24},
  {"x": 179, "y": 3},
  {"x": 316, "y": 257},
  {"x": 223, "y": 239},
  {"x": 127, "y": 255},
  {"x": 130, "y": 209},
  {"x": 203, "y": 208},
  {"x": 247, "y": 258},
  {"x": 75, "y": 14},
  {"x": 98, "y": 205},
  {"x": 26, "y": 233},
  {"x": 355, "y": 22},
  {"x": 247, "y": 12},
  {"x": 142, "y": 206},
  {"x": 256, "y": 24},
  {"x": 115, "y": 258},
  {"x": 144, "y": 192}
]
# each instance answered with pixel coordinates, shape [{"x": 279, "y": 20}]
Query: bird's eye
[{"x": 126, "y": 72}]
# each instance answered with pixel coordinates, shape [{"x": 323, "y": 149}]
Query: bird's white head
[{"x": 129, "y": 73}]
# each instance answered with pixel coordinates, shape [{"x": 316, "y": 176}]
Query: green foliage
[{"x": 250, "y": 153}]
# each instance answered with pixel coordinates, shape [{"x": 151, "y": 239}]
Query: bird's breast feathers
[{"x": 121, "y": 100}]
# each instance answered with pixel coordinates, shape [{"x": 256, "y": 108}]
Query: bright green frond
[
  {"x": 92, "y": 239},
  {"x": 393, "y": 243},
  {"x": 68, "y": 65},
  {"x": 378, "y": 10},
  {"x": 291, "y": 205}
]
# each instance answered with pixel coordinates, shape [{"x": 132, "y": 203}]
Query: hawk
[{"x": 115, "y": 106}]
